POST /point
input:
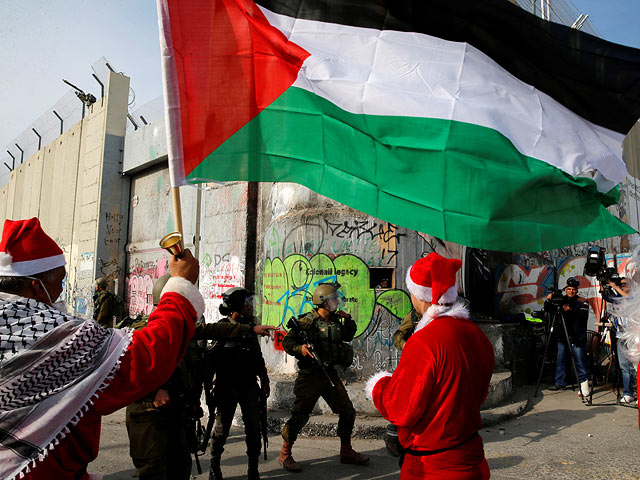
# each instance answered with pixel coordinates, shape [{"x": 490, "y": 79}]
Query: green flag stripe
[{"x": 460, "y": 182}]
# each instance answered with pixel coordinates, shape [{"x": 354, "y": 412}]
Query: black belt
[{"x": 426, "y": 453}]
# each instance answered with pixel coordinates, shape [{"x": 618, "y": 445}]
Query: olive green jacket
[
  {"x": 292, "y": 342},
  {"x": 406, "y": 329}
]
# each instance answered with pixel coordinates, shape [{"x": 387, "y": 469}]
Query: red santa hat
[
  {"x": 433, "y": 279},
  {"x": 26, "y": 250}
]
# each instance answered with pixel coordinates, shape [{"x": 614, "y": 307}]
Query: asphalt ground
[{"x": 557, "y": 437}]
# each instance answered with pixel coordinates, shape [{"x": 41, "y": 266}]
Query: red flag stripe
[{"x": 231, "y": 64}]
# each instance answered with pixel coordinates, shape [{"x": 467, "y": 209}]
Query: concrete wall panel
[
  {"x": 47, "y": 188},
  {"x": 223, "y": 243},
  {"x": 3, "y": 203},
  {"x": 37, "y": 162},
  {"x": 11, "y": 194},
  {"x": 150, "y": 218},
  {"x": 22, "y": 197},
  {"x": 70, "y": 179}
]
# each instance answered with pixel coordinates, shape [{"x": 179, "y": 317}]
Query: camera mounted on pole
[{"x": 596, "y": 266}]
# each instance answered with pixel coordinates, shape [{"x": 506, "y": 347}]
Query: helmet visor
[
  {"x": 334, "y": 302},
  {"x": 249, "y": 305}
]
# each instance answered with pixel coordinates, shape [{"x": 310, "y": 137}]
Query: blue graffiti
[{"x": 305, "y": 295}]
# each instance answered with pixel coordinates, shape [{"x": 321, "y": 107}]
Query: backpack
[{"x": 117, "y": 307}]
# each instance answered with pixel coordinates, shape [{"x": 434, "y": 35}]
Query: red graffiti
[{"x": 278, "y": 337}]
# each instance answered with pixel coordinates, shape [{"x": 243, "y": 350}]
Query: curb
[{"x": 371, "y": 427}]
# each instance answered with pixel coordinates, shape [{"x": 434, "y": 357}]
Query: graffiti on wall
[
  {"x": 523, "y": 289},
  {"x": 139, "y": 284},
  {"x": 218, "y": 273},
  {"x": 113, "y": 226},
  {"x": 376, "y": 244},
  {"x": 288, "y": 285}
]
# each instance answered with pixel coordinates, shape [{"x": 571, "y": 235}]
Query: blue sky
[{"x": 45, "y": 41}]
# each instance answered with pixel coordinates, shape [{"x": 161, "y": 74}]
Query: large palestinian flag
[{"x": 472, "y": 121}]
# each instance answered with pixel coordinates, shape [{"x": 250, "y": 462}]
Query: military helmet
[
  {"x": 158, "y": 285},
  {"x": 573, "y": 282},
  {"x": 101, "y": 283},
  {"x": 323, "y": 292},
  {"x": 234, "y": 299}
]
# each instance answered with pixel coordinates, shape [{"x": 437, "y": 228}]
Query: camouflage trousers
[{"x": 308, "y": 388}]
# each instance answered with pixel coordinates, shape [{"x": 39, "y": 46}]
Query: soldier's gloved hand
[
  {"x": 161, "y": 399},
  {"x": 264, "y": 330},
  {"x": 185, "y": 267},
  {"x": 305, "y": 351},
  {"x": 343, "y": 314}
]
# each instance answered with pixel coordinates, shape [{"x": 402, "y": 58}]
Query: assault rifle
[
  {"x": 262, "y": 412},
  {"x": 210, "y": 398},
  {"x": 293, "y": 324},
  {"x": 191, "y": 414}
]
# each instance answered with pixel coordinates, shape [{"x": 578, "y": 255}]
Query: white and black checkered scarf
[{"x": 52, "y": 367}]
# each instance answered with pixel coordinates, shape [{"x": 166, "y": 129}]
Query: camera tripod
[
  {"x": 555, "y": 315},
  {"x": 605, "y": 325}
]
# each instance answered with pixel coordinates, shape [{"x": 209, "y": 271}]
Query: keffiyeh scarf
[{"x": 52, "y": 367}]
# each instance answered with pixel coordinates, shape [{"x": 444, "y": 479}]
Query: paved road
[{"x": 557, "y": 438}]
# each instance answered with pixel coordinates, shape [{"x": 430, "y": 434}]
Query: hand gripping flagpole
[{"x": 173, "y": 241}]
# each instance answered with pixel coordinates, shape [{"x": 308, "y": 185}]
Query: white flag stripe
[{"x": 368, "y": 71}]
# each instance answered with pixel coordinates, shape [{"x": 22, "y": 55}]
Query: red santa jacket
[
  {"x": 434, "y": 397},
  {"x": 153, "y": 355}
]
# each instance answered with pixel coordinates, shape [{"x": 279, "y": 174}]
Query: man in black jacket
[{"x": 574, "y": 310}]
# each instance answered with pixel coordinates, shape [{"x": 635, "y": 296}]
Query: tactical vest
[{"x": 332, "y": 349}]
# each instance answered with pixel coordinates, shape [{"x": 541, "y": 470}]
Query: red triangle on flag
[{"x": 231, "y": 63}]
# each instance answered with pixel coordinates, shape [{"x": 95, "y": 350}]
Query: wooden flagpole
[{"x": 177, "y": 210}]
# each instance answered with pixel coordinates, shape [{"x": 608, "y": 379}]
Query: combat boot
[
  {"x": 285, "y": 458},
  {"x": 252, "y": 472},
  {"x": 349, "y": 455},
  {"x": 215, "y": 472}
]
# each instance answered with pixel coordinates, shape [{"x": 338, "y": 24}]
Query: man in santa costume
[
  {"x": 60, "y": 374},
  {"x": 435, "y": 393}
]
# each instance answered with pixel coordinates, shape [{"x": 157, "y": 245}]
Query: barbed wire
[{"x": 561, "y": 11}]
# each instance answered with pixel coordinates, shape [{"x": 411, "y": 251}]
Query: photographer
[
  {"x": 618, "y": 288},
  {"x": 573, "y": 309}
]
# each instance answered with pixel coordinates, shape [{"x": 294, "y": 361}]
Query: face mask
[{"x": 58, "y": 304}]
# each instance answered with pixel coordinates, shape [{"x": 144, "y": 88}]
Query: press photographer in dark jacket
[{"x": 575, "y": 313}]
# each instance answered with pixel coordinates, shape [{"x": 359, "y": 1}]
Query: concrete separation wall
[{"x": 68, "y": 184}]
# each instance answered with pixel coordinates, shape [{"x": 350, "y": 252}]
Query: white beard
[{"x": 458, "y": 309}]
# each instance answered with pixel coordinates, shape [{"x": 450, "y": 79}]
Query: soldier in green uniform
[
  {"x": 400, "y": 337},
  {"x": 103, "y": 304},
  {"x": 406, "y": 329},
  {"x": 329, "y": 330},
  {"x": 159, "y": 445},
  {"x": 238, "y": 365}
]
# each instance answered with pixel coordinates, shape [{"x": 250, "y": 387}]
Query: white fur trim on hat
[
  {"x": 371, "y": 383},
  {"x": 458, "y": 310},
  {"x": 450, "y": 295},
  {"x": 9, "y": 268},
  {"x": 5, "y": 259},
  {"x": 418, "y": 291},
  {"x": 188, "y": 290},
  {"x": 425, "y": 294}
]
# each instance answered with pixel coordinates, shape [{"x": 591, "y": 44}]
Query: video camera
[
  {"x": 554, "y": 304},
  {"x": 596, "y": 266}
]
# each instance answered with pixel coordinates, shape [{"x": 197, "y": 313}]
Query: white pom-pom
[{"x": 5, "y": 259}]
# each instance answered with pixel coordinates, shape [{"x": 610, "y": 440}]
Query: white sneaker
[
  {"x": 585, "y": 388},
  {"x": 627, "y": 400}
]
